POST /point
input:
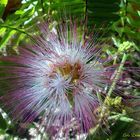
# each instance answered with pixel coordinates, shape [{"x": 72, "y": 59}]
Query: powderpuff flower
[{"x": 57, "y": 77}]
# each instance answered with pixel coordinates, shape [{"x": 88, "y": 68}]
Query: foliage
[{"x": 122, "y": 19}]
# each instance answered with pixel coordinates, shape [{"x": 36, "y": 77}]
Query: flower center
[{"x": 70, "y": 71}]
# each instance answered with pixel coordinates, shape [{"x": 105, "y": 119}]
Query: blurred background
[{"x": 122, "y": 20}]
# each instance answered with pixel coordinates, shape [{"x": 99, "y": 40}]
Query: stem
[
  {"x": 20, "y": 31},
  {"x": 92, "y": 131},
  {"x": 100, "y": 98},
  {"x": 16, "y": 29},
  {"x": 117, "y": 75},
  {"x": 103, "y": 109},
  {"x": 86, "y": 14},
  {"x": 42, "y": 6}
]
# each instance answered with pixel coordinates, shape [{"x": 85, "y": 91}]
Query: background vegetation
[{"x": 122, "y": 19}]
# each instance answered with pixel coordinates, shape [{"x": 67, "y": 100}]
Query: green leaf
[
  {"x": 3, "y": 123},
  {"x": 19, "y": 12},
  {"x": 2, "y": 31},
  {"x": 121, "y": 117},
  {"x": 100, "y": 11},
  {"x": 28, "y": 13},
  {"x": 126, "y": 119},
  {"x": 6, "y": 38},
  {"x": 3, "y": 4}
]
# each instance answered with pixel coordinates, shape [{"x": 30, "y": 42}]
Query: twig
[
  {"x": 103, "y": 110},
  {"x": 117, "y": 75}
]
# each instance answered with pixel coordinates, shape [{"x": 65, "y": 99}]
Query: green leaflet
[
  {"x": 3, "y": 123},
  {"x": 3, "y": 4},
  {"x": 6, "y": 38}
]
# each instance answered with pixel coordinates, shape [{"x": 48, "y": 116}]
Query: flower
[{"x": 57, "y": 78}]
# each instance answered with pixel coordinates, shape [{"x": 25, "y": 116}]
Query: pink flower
[{"x": 57, "y": 78}]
